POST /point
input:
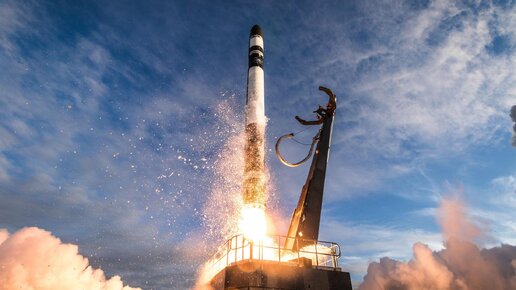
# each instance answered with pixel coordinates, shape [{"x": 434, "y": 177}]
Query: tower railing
[{"x": 315, "y": 254}]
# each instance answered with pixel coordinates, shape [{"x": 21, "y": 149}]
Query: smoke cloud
[
  {"x": 513, "y": 117},
  {"x": 461, "y": 265},
  {"x": 33, "y": 258}
]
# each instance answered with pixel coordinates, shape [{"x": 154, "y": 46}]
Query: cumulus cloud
[
  {"x": 460, "y": 265},
  {"x": 32, "y": 258}
]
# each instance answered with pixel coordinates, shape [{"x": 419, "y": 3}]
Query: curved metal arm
[
  {"x": 322, "y": 113},
  {"x": 308, "y": 123},
  {"x": 289, "y": 136},
  {"x": 332, "y": 102}
]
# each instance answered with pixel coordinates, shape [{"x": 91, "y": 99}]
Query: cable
[{"x": 299, "y": 142}]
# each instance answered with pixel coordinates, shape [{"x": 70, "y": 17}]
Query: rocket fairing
[{"x": 255, "y": 121}]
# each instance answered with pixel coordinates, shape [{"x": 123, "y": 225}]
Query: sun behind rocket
[{"x": 254, "y": 184}]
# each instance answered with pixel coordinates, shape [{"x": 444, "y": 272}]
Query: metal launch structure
[{"x": 297, "y": 261}]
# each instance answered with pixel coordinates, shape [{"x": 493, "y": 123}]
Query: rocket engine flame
[{"x": 253, "y": 224}]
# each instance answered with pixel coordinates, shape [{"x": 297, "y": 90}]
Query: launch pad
[
  {"x": 297, "y": 261},
  {"x": 268, "y": 265}
]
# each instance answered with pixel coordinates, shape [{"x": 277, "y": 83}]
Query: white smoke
[
  {"x": 32, "y": 258},
  {"x": 462, "y": 265}
]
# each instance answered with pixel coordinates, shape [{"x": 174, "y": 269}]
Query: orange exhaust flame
[{"x": 253, "y": 224}]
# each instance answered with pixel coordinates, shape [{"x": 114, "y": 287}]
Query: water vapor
[
  {"x": 32, "y": 258},
  {"x": 461, "y": 265}
]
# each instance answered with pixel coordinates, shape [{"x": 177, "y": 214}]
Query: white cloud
[
  {"x": 423, "y": 90},
  {"x": 13, "y": 18},
  {"x": 460, "y": 265},
  {"x": 362, "y": 243},
  {"x": 32, "y": 258},
  {"x": 432, "y": 87}
]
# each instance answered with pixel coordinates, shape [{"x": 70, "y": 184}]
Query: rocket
[{"x": 254, "y": 184}]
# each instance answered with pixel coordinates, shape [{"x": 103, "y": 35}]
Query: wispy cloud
[{"x": 416, "y": 84}]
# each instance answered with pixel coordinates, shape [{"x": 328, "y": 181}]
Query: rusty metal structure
[{"x": 307, "y": 215}]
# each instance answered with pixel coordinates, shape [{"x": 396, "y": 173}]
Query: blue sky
[{"x": 110, "y": 132}]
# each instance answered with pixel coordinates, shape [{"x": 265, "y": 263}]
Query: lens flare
[{"x": 253, "y": 224}]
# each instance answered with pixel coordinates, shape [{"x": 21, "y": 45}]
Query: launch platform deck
[
  {"x": 254, "y": 275},
  {"x": 243, "y": 264}
]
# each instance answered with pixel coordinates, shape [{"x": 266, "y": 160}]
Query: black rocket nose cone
[{"x": 256, "y": 30}]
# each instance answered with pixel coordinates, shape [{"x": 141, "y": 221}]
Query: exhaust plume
[
  {"x": 32, "y": 258},
  {"x": 461, "y": 265},
  {"x": 513, "y": 117}
]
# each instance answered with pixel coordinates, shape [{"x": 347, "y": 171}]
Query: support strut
[{"x": 304, "y": 224}]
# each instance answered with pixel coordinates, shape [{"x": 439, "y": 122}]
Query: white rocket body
[
  {"x": 255, "y": 104},
  {"x": 255, "y": 121}
]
